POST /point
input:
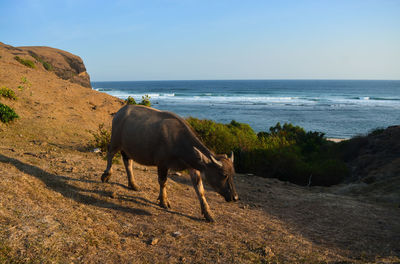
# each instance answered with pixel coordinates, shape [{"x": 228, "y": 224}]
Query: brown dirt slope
[{"x": 54, "y": 208}]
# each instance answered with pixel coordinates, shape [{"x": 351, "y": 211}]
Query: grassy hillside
[{"x": 54, "y": 208}]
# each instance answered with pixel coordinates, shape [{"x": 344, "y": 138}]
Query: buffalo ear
[
  {"x": 216, "y": 162},
  {"x": 232, "y": 158},
  {"x": 201, "y": 156}
]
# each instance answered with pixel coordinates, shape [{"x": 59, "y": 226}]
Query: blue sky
[{"x": 219, "y": 39}]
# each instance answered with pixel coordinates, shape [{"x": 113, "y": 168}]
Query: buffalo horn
[{"x": 215, "y": 161}]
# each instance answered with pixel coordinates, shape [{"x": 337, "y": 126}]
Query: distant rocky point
[{"x": 64, "y": 64}]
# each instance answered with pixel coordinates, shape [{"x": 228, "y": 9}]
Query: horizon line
[{"x": 272, "y": 79}]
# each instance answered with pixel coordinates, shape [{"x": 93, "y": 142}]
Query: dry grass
[{"x": 54, "y": 208}]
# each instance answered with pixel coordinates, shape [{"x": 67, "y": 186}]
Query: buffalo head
[{"x": 219, "y": 173}]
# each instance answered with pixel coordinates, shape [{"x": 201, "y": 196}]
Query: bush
[
  {"x": 45, "y": 64},
  {"x": 130, "y": 101},
  {"x": 25, "y": 62},
  {"x": 286, "y": 152},
  {"x": 222, "y": 138},
  {"x": 376, "y": 131},
  {"x": 102, "y": 138},
  {"x": 145, "y": 101},
  {"x": 7, "y": 114},
  {"x": 7, "y": 93}
]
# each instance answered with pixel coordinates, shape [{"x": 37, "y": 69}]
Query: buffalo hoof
[
  {"x": 207, "y": 215},
  {"x": 105, "y": 177},
  {"x": 134, "y": 187},
  {"x": 209, "y": 218},
  {"x": 164, "y": 203}
]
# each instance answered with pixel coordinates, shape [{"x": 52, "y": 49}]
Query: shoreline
[
  {"x": 264, "y": 103},
  {"x": 337, "y": 140}
]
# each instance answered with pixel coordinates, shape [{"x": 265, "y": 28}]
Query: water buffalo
[{"x": 163, "y": 139}]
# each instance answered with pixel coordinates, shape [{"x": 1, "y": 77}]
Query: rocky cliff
[{"x": 64, "y": 64}]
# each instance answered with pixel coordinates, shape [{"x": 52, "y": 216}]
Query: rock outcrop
[{"x": 64, "y": 64}]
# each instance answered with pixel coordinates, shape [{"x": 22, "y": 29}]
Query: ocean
[{"x": 338, "y": 108}]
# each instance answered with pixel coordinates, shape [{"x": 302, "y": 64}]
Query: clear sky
[{"x": 214, "y": 39}]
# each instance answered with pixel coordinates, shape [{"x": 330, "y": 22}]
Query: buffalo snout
[{"x": 231, "y": 197}]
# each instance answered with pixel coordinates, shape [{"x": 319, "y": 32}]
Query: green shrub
[
  {"x": 223, "y": 138},
  {"x": 102, "y": 138},
  {"x": 7, "y": 114},
  {"x": 45, "y": 64},
  {"x": 145, "y": 101},
  {"x": 328, "y": 172},
  {"x": 286, "y": 152},
  {"x": 25, "y": 62},
  {"x": 8, "y": 93},
  {"x": 376, "y": 131},
  {"x": 130, "y": 100}
]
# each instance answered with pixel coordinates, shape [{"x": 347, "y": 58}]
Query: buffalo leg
[
  {"x": 129, "y": 172},
  {"x": 162, "y": 180},
  {"x": 110, "y": 155},
  {"x": 198, "y": 186}
]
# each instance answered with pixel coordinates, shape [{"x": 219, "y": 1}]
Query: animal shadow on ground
[
  {"x": 60, "y": 184},
  {"x": 145, "y": 202},
  {"x": 184, "y": 179}
]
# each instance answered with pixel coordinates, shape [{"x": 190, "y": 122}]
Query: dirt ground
[{"x": 55, "y": 209}]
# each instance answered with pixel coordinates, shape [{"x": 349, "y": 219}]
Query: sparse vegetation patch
[
  {"x": 26, "y": 62},
  {"x": 7, "y": 93},
  {"x": 45, "y": 64},
  {"x": 101, "y": 140},
  {"x": 24, "y": 83}
]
